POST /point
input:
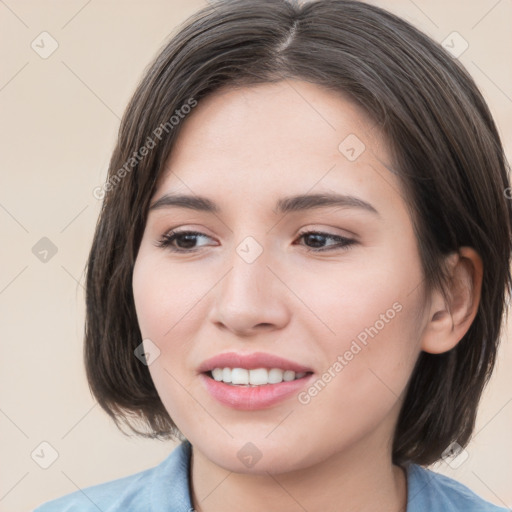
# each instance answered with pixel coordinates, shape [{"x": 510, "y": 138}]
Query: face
[{"x": 286, "y": 330}]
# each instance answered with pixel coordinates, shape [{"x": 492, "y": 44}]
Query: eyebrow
[{"x": 284, "y": 205}]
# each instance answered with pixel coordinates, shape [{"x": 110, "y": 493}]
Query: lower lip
[{"x": 251, "y": 398}]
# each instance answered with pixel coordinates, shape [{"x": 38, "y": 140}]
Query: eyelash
[{"x": 168, "y": 239}]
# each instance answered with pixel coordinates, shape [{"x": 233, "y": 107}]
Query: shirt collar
[{"x": 170, "y": 488}]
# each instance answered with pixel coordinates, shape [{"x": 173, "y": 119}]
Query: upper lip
[{"x": 250, "y": 362}]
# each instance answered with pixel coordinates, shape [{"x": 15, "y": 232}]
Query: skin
[{"x": 244, "y": 149}]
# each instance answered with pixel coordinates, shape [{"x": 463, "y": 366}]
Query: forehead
[{"x": 255, "y": 144}]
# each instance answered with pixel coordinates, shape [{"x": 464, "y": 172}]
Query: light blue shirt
[{"x": 165, "y": 488}]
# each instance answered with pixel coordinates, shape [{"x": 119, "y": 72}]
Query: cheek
[
  {"x": 351, "y": 297},
  {"x": 367, "y": 366},
  {"x": 369, "y": 332},
  {"x": 164, "y": 302},
  {"x": 166, "y": 297}
]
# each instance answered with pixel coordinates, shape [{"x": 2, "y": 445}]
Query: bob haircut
[{"x": 446, "y": 151}]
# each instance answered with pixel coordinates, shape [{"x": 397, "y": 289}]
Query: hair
[{"x": 445, "y": 147}]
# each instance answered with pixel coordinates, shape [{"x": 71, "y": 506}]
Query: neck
[{"x": 364, "y": 480}]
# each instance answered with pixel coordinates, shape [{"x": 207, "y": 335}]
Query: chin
[{"x": 260, "y": 457}]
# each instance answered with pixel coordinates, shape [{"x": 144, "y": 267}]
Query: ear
[{"x": 449, "y": 321}]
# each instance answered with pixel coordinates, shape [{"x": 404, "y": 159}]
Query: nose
[{"x": 250, "y": 298}]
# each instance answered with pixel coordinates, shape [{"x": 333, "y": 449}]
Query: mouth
[
  {"x": 252, "y": 381},
  {"x": 255, "y": 377}
]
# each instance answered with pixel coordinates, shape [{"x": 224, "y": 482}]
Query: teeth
[
  {"x": 275, "y": 376},
  {"x": 288, "y": 375},
  {"x": 226, "y": 375},
  {"x": 217, "y": 374},
  {"x": 239, "y": 375},
  {"x": 256, "y": 377}
]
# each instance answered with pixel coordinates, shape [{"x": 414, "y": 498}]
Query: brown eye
[
  {"x": 317, "y": 240},
  {"x": 185, "y": 241},
  {"x": 180, "y": 241}
]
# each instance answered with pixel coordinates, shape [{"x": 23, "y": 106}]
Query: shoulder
[
  {"x": 116, "y": 493},
  {"x": 428, "y": 491},
  {"x": 165, "y": 484}
]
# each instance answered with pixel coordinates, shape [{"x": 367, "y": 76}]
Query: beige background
[{"x": 59, "y": 121}]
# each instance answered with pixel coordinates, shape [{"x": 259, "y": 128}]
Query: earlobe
[{"x": 449, "y": 319}]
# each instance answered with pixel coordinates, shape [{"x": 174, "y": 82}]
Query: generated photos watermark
[
  {"x": 145, "y": 149},
  {"x": 358, "y": 343}
]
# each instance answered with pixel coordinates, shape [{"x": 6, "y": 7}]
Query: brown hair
[{"x": 446, "y": 150}]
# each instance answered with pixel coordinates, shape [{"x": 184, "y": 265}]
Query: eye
[
  {"x": 318, "y": 238},
  {"x": 184, "y": 239}
]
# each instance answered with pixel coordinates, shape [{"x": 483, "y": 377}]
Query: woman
[{"x": 301, "y": 265}]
